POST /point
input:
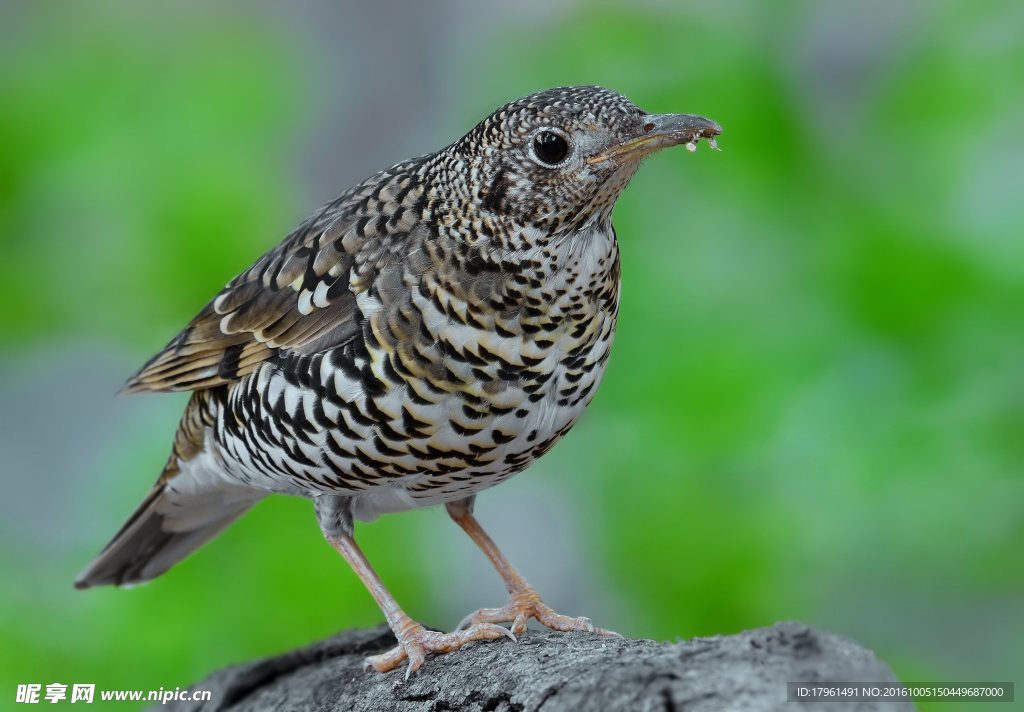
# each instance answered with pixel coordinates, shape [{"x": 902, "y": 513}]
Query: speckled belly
[
  {"x": 313, "y": 426},
  {"x": 441, "y": 395}
]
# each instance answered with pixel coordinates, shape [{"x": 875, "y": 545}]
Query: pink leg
[
  {"x": 524, "y": 602},
  {"x": 414, "y": 641}
]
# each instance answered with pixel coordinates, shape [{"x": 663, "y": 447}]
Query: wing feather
[{"x": 299, "y": 296}]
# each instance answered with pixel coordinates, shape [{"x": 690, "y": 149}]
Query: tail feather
[
  {"x": 191, "y": 503},
  {"x": 168, "y": 526}
]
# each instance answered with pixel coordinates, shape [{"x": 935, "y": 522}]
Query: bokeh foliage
[{"x": 814, "y": 407}]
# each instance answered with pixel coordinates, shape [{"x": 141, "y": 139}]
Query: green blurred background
[{"x": 815, "y": 406}]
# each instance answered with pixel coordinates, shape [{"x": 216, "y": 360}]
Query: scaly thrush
[{"x": 423, "y": 337}]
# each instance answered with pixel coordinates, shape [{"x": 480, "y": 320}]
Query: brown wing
[
  {"x": 294, "y": 296},
  {"x": 300, "y": 296}
]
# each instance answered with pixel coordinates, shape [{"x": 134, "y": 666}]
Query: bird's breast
[{"x": 457, "y": 381}]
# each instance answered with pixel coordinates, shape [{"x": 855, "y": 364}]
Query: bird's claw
[
  {"x": 416, "y": 642},
  {"x": 523, "y": 606}
]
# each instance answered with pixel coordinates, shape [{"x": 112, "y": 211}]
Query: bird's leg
[
  {"x": 524, "y": 602},
  {"x": 414, "y": 641}
]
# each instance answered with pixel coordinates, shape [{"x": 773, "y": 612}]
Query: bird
[{"x": 421, "y": 338}]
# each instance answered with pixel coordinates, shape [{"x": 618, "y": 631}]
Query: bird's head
[{"x": 557, "y": 160}]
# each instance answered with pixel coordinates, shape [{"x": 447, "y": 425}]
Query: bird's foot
[
  {"x": 415, "y": 642},
  {"x": 525, "y": 604}
]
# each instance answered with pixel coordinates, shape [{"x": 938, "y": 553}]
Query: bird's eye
[{"x": 550, "y": 148}]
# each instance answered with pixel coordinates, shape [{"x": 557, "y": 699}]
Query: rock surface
[{"x": 556, "y": 671}]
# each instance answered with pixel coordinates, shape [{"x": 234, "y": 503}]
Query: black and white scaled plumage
[{"x": 422, "y": 337}]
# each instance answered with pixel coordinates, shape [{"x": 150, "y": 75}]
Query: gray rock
[{"x": 556, "y": 671}]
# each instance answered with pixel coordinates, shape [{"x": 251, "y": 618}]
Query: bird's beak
[{"x": 661, "y": 131}]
